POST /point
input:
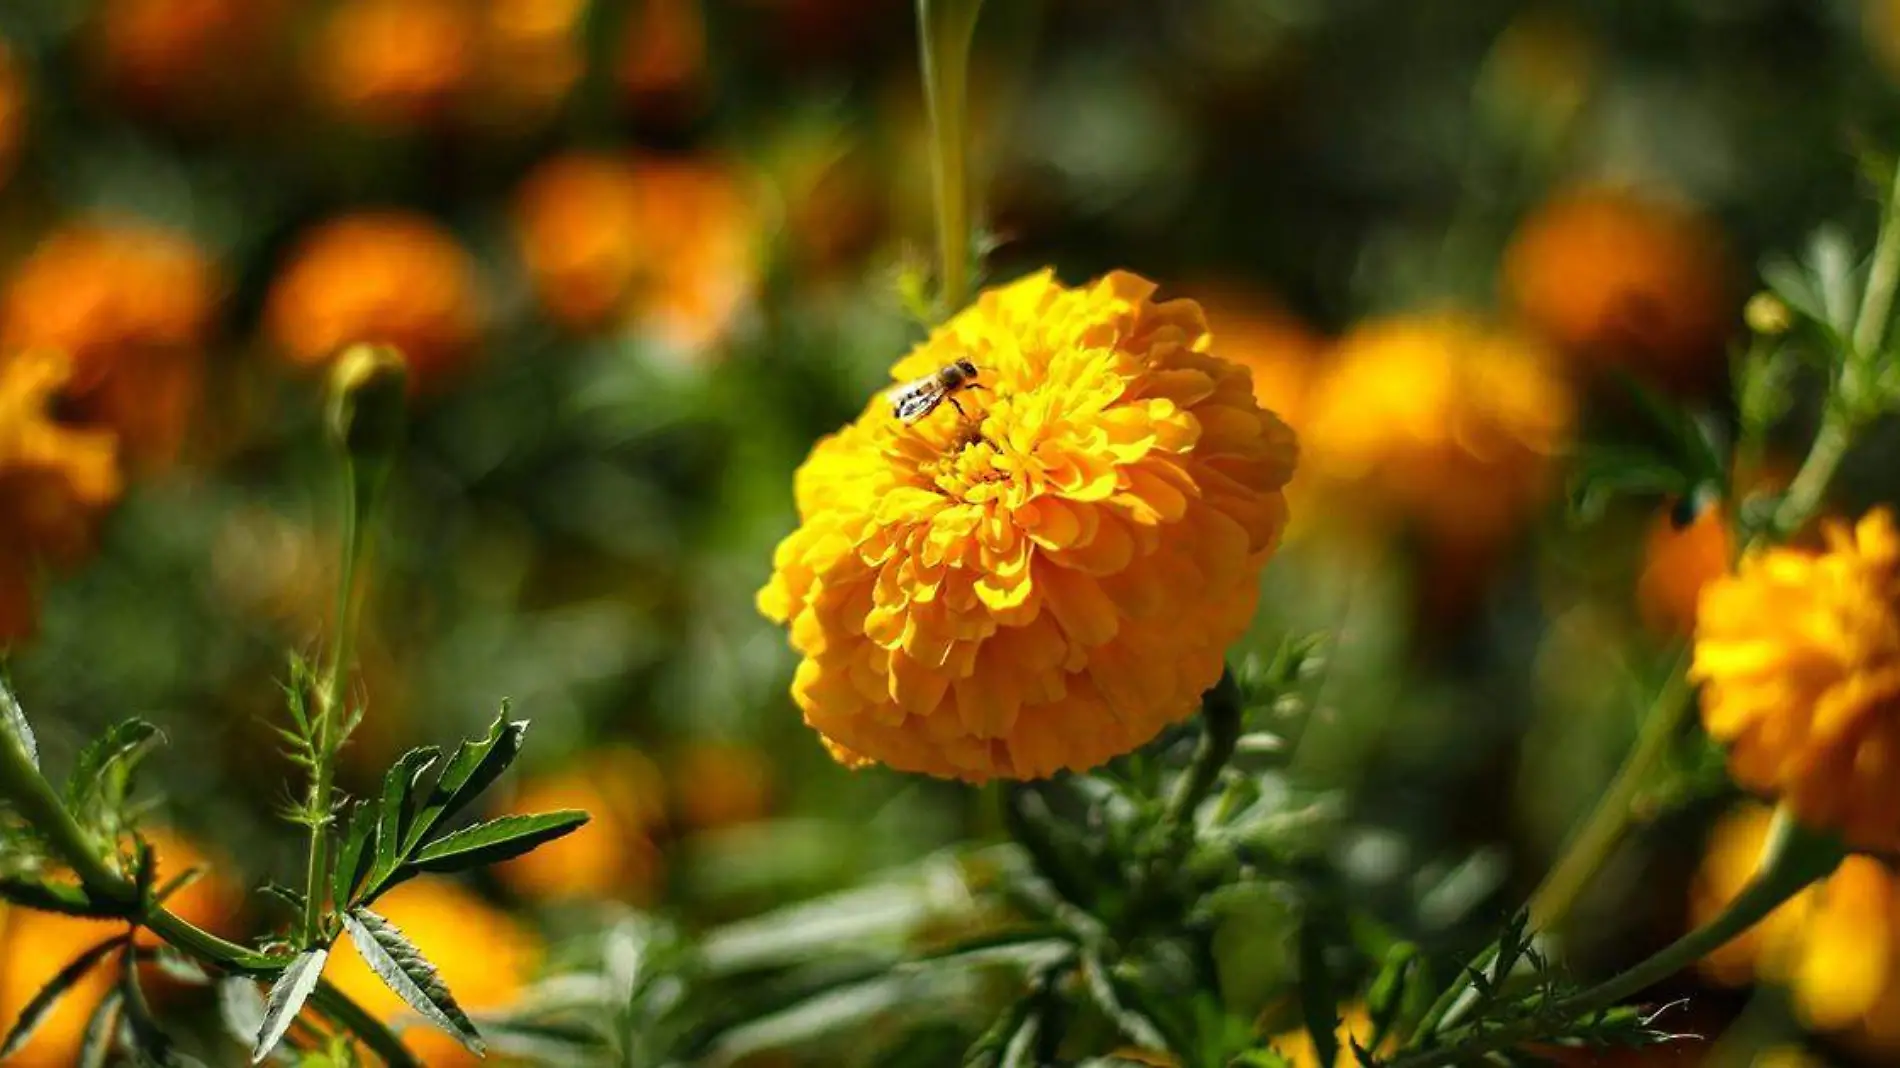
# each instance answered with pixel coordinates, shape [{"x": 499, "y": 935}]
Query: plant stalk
[
  {"x": 1883, "y": 277},
  {"x": 945, "y": 30}
]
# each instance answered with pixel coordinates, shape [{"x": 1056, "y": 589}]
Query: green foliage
[
  {"x": 404, "y": 969},
  {"x": 286, "y": 1000},
  {"x": 56, "y": 988}
]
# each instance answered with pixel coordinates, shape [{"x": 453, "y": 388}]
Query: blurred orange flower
[
  {"x": 1624, "y": 280},
  {"x": 180, "y": 52},
  {"x": 34, "y": 946},
  {"x": 1798, "y": 656},
  {"x": 1442, "y": 419},
  {"x": 1835, "y": 946},
  {"x": 665, "y": 246},
  {"x": 395, "y": 62},
  {"x": 1051, "y": 577},
  {"x": 1678, "y": 561},
  {"x": 531, "y": 55},
  {"x": 392, "y": 277},
  {"x": 615, "y": 854},
  {"x": 663, "y": 58},
  {"x": 132, "y": 304},
  {"x": 721, "y": 784},
  {"x": 12, "y": 111},
  {"x": 483, "y": 955}
]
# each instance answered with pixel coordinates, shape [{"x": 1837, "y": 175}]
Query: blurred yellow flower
[
  {"x": 1618, "y": 279},
  {"x": 1441, "y": 419},
  {"x": 615, "y": 854},
  {"x": 1798, "y": 654},
  {"x": 483, "y": 955},
  {"x": 1835, "y": 946},
  {"x": 34, "y": 946},
  {"x": 1049, "y": 582},
  {"x": 666, "y": 247},
  {"x": 132, "y": 304},
  {"x": 1355, "y": 1025},
  {"x": 721, "y": 784},
  {"x": 395, "y": 62},
  {"x": 12, "y": 111},
  {"x": 392, "y": 277}
]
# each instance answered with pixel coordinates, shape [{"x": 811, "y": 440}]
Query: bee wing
[{"x": 914, "y": 400}]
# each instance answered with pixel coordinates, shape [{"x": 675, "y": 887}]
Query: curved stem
[
  {"x": 1883, "y": 276},
  {"x": 945, "y": 29},
  {"x": 1831, "y": 442}
]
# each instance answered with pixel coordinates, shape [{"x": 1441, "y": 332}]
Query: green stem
[
  {"x": 22, "y": 784},
  {"x": 1803, "y": 499},
  {"x": 1792, "y": 860},
  {"x": 945, "y": 29},
  {"x": 1221, "y": 715},
  {"x": 1883, "y": 276},
  {"x": 375, "y": 1034}
]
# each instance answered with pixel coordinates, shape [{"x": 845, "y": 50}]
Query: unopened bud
[
  {"x": 1767, "y": 315},
  {"x": 369, "y": 385}
]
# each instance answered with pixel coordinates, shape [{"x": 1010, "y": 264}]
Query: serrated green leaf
[
  {"x": 104, "y": 768},
  {"x": 13, "y": 723},
  {"x": 392, "y": 812},
  {"x": 497, "y": 840},
  {"x": 56, "y": 988},
  {"x": 286, "y": 1000},
  {"x": 354, "y": 857},
  {"x": 403, "y": 968},
  {"x": 284, "y": 895},
  {"x": 474, "y": 767},
  {"x": 63, "y": 898},
  {"x": 102, "y": 1031}
]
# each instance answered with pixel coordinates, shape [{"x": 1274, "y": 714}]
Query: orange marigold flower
[
  {"x": 12, "y": 112},
  {"x": 531, "y": 55},
  {"x": 34, "y": 946},
  {"x": 1835, "y": 946},
  {"x": 1679, "y": 559},
  {"x": 387, "y": 277},
  {"x": 1050, "y": 581},
  {"x": 663, "y": 61},
  {"x": 721, "y": 784},
  {"x": 666, "y": 247},
  {"x": 615, "y": 854},
  {"x": 168, "y": 53},
  {"x": 1628, "y": 281},
  {"x": 1798, "y": 654},
  {"x": 1440, "y": 419},
  {"x": 483, "y": 955},
  {"x": 395, "y": 62},
  {"x": 133, "y": 305}
]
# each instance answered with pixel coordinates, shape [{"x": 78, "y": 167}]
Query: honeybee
[{"x": 916, "y": 399}]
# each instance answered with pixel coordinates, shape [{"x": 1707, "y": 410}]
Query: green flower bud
[{"x": 367, "y": 408}]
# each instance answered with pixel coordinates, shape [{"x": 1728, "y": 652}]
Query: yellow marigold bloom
[
  {"x": 1624, "y": 280},
  {"x": 395, "y": 62},
  {"x": 721, "y": 784},
  {"x": 667, "y": 248},
  {"x": 133, "y": 305},
  {"x": 484, "y": 956},
  {"x": 1049, "y": 582},
  {"x": 34, "y": 946},
  {"x": 389, "y": 277},
  {"x": 1835, "y": 946},
  {"x": 1440, "y": 419},
  {"x": 1798, "y": 655},
  {"x": 615, "y": 854},
  {"x": 12, "y": 112}
]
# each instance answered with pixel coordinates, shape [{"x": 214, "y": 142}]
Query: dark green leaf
[
  {"x": 1319, "y": 999},
  {"x": 353, "y": 857},
  {"x": 291, "y": 899},
  {"x": 392, "y": 813},
  {"x": 48, "y": 998},
  {"x": 1386, "y": 1000},
  {"x": 497, "y": 840},
  {"x": 105, "y": 766},
  {"x": 63, "y": 898},
  {"x": 287, "y": 996},
  {"x": 179, "y": 882},
  {"x": 401, "y": 966},
  {"x": 102, "y": 1031},
  {"x": 1601, "y": 474},
  {"x": 13, "y": 723},
  {"x": 474, "y": 767},
  {"x": 151, "y": 1041}
]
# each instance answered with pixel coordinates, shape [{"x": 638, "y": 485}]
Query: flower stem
[
  {"x": 1883, "y": 276},
  {"x": 1831, "y": 442},
  {"x": 945, "y": 29}
]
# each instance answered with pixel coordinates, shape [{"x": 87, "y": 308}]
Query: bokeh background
[{"x": 642, "y": 253}]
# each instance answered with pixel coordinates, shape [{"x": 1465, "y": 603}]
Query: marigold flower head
[
  {"x": 666, "y": 247},
  {"x": 531, "y": 56},
  {"x": 1441, "y": 419},
  {"x": 1050, "y": 581},
  {"x": 1835, "y": 946},
  {"x": 483, "y": 955},
  {"x": 1798, "y": 654},
  {"x": 180, "y": 53},
  {"x": 384, "y": 277},
  {"x": 132, "y": 304},
  {"x": 615, "y": 855},
  {"x": 395, "y": 62},
  {"x": 12, "y": 111},
  {"x": 1625, "y": 280},
  {"x": 1679, "y": 560},
  {"x": 34, "y": 946}
]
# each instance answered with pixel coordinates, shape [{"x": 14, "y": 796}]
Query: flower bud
[
  {"x": 1766, "y": 315},
  {"x": 366, "y": 412}
]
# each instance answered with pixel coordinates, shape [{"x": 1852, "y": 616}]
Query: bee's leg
[{"x": 958, "y": 407}]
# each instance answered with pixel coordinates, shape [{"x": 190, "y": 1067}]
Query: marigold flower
[
  {"x": 483, "y": 955},
  {"x": 721, "y": 784},
  {"x": 385, "y": 277},
  {"x": 12, "y": 112},
  {"x": 34, "y": 946},
  {"x": 395, "y": 62},
  {"x": 1619, "y": 279},
  {"x": 132, "y": 304},
  {"x": 1835, "y": 946},
  {"x": 1440, "y": 419},
  {"x": 531, "y": 55},
  {"x": 615, "y": 854},
  {"x": 666, "y": 247},
  {"x": 1679, "y": 560},
  {"x": 170, "y": 53},
  {"x": 1051, "y": 581},
  {"x": 1798, "y": 655},
  {"x": 663, "y": 58}
]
